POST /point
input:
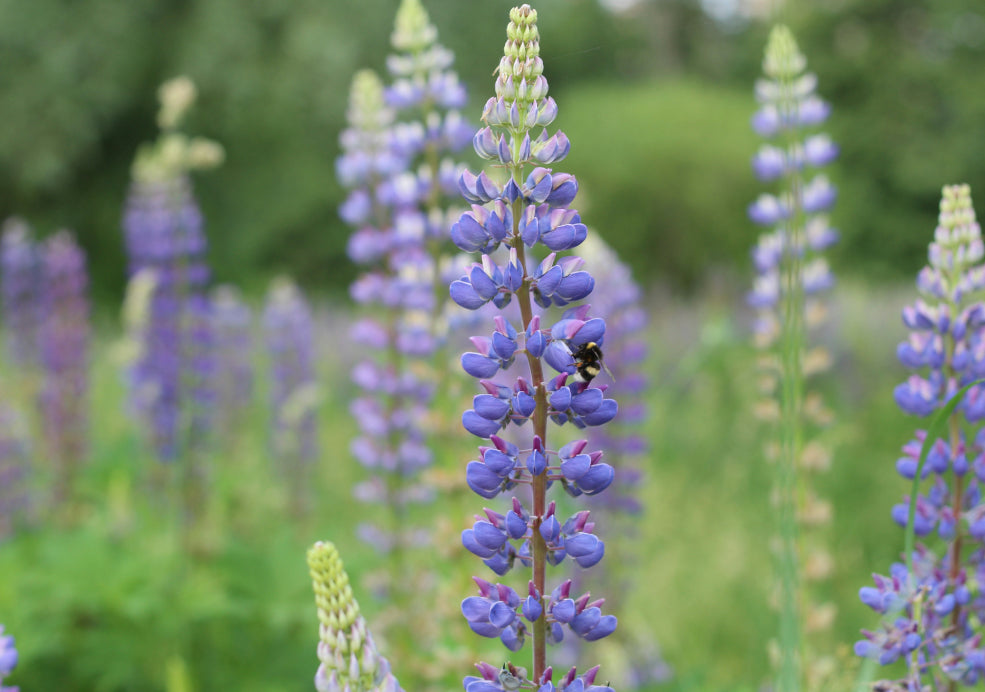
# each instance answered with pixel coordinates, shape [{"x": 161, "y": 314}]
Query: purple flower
[
  {"x": 232, "y": 321},
  {"x": 787, "y": 296},
  {"x": 517, "y": 228},
  {"x": 165, "y": 239},
  {"x": 64, "y": 357},
  {"x": 294, "y": 395},
  {"x": 20, "y": 288},
  {"x": 933, "y": 610},
  {"x": 8, "y": 659}
]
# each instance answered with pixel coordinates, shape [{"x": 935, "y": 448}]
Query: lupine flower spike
[
  {"x": 294, "y": 392},
  {"x": 20, "y": 282},
  {"x": 427, "y": 96},
  {"x": 232, "y": 321},
  {"x": 64, "y": 357},
  {"x": 527, "y": 213},
  {"x": 392, "y": 405},
  {"x": 8, "y": 660},
  {"x": 933, "y": 613},
  {"x": 349, "y": 659},
  {"x": 164, "y": 236},
  {"x": 788, "y": 298}
]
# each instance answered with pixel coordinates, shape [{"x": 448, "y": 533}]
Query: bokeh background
[{"x": 656, "y": 97}]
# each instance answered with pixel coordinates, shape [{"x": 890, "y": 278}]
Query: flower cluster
[
  {"x": 393, "y": 404},
  {"x": 932, "y": 608},
  {"x": 791, "y": 278},
  {"x": 8, "y": 659},
  {"x": 20, "y": 268},
  {"x": 294, "y": 394},
  {"x": 64, "y": 356},
  {"x": 426, "y": 96},
  {"x": 46, "y": 312},
  {"x": 349, "y": 658},
  {"x": 164, "y": 236},
  {"x": 232, "y": 323},
  {"x": 509, "y": 221}
]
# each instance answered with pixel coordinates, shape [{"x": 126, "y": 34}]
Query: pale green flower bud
[
  {"x": 412, "y": 29},
  {"x": 349, "y": 659},
  {"x": 783, "y": 58},
  {"x": 176, "y": 96},
  {"x": 521, "y": 69}
]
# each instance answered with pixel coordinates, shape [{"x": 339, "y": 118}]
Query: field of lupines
[{"x": 691, "y": 496}]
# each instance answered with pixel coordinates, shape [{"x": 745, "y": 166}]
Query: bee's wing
[{"x": 607, "y": 371}]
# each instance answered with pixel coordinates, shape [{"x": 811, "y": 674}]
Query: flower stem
[{"x": 540, "y": 429}]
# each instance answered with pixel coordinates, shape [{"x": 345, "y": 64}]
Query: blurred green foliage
[
  {"x": 644, "y": 189},
  {"x": 662, "y": 90}
]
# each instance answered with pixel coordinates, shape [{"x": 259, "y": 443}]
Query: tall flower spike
[
  {"x": 164, "y": 234},
  {"x": 396, "y": 292},
  {"x": 20, "y": 283},
  {"x": 234, "y": 377},
  {"x": 294, "y": 393},
  {"x": 791, "y": 278},
  {"x": 933, "y": 612},
  {"x": 64, "y": 357},
  {"x": 529, "y": 213},
  {"x": 348, "y": 655}
]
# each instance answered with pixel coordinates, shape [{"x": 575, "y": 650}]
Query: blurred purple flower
[
  {"x": 64, "y": 357},
  {"x": 20, "y": 287},
  {"x": 935, "y": 610},
  {"x": 294, "y": 394}
]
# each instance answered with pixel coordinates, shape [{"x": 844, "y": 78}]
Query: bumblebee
[{"x": 588, "y": 362}]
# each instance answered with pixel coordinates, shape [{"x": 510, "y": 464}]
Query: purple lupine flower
[
  {"x": 294, "y": 395},
  {"x": 509, "y": 223},
  {"x": 64, "y": 357},
  {"x": 397, "y": 292},
  {"x": 14, "y": 459},
  {"x": 932, "y": 612},
  {"x": 787, "y": 295},
  {"x": 427, "y": 96},
  {"x": 20, "y": 285},
  {"x": 8, "y": 659},
  {"x": 165, "y": 239},
  {"x": 164, "y": 235},
  {"x": 232, "y": 323}
]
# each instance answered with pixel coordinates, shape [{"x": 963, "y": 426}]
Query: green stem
[{"x": 792, "y": 342}]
